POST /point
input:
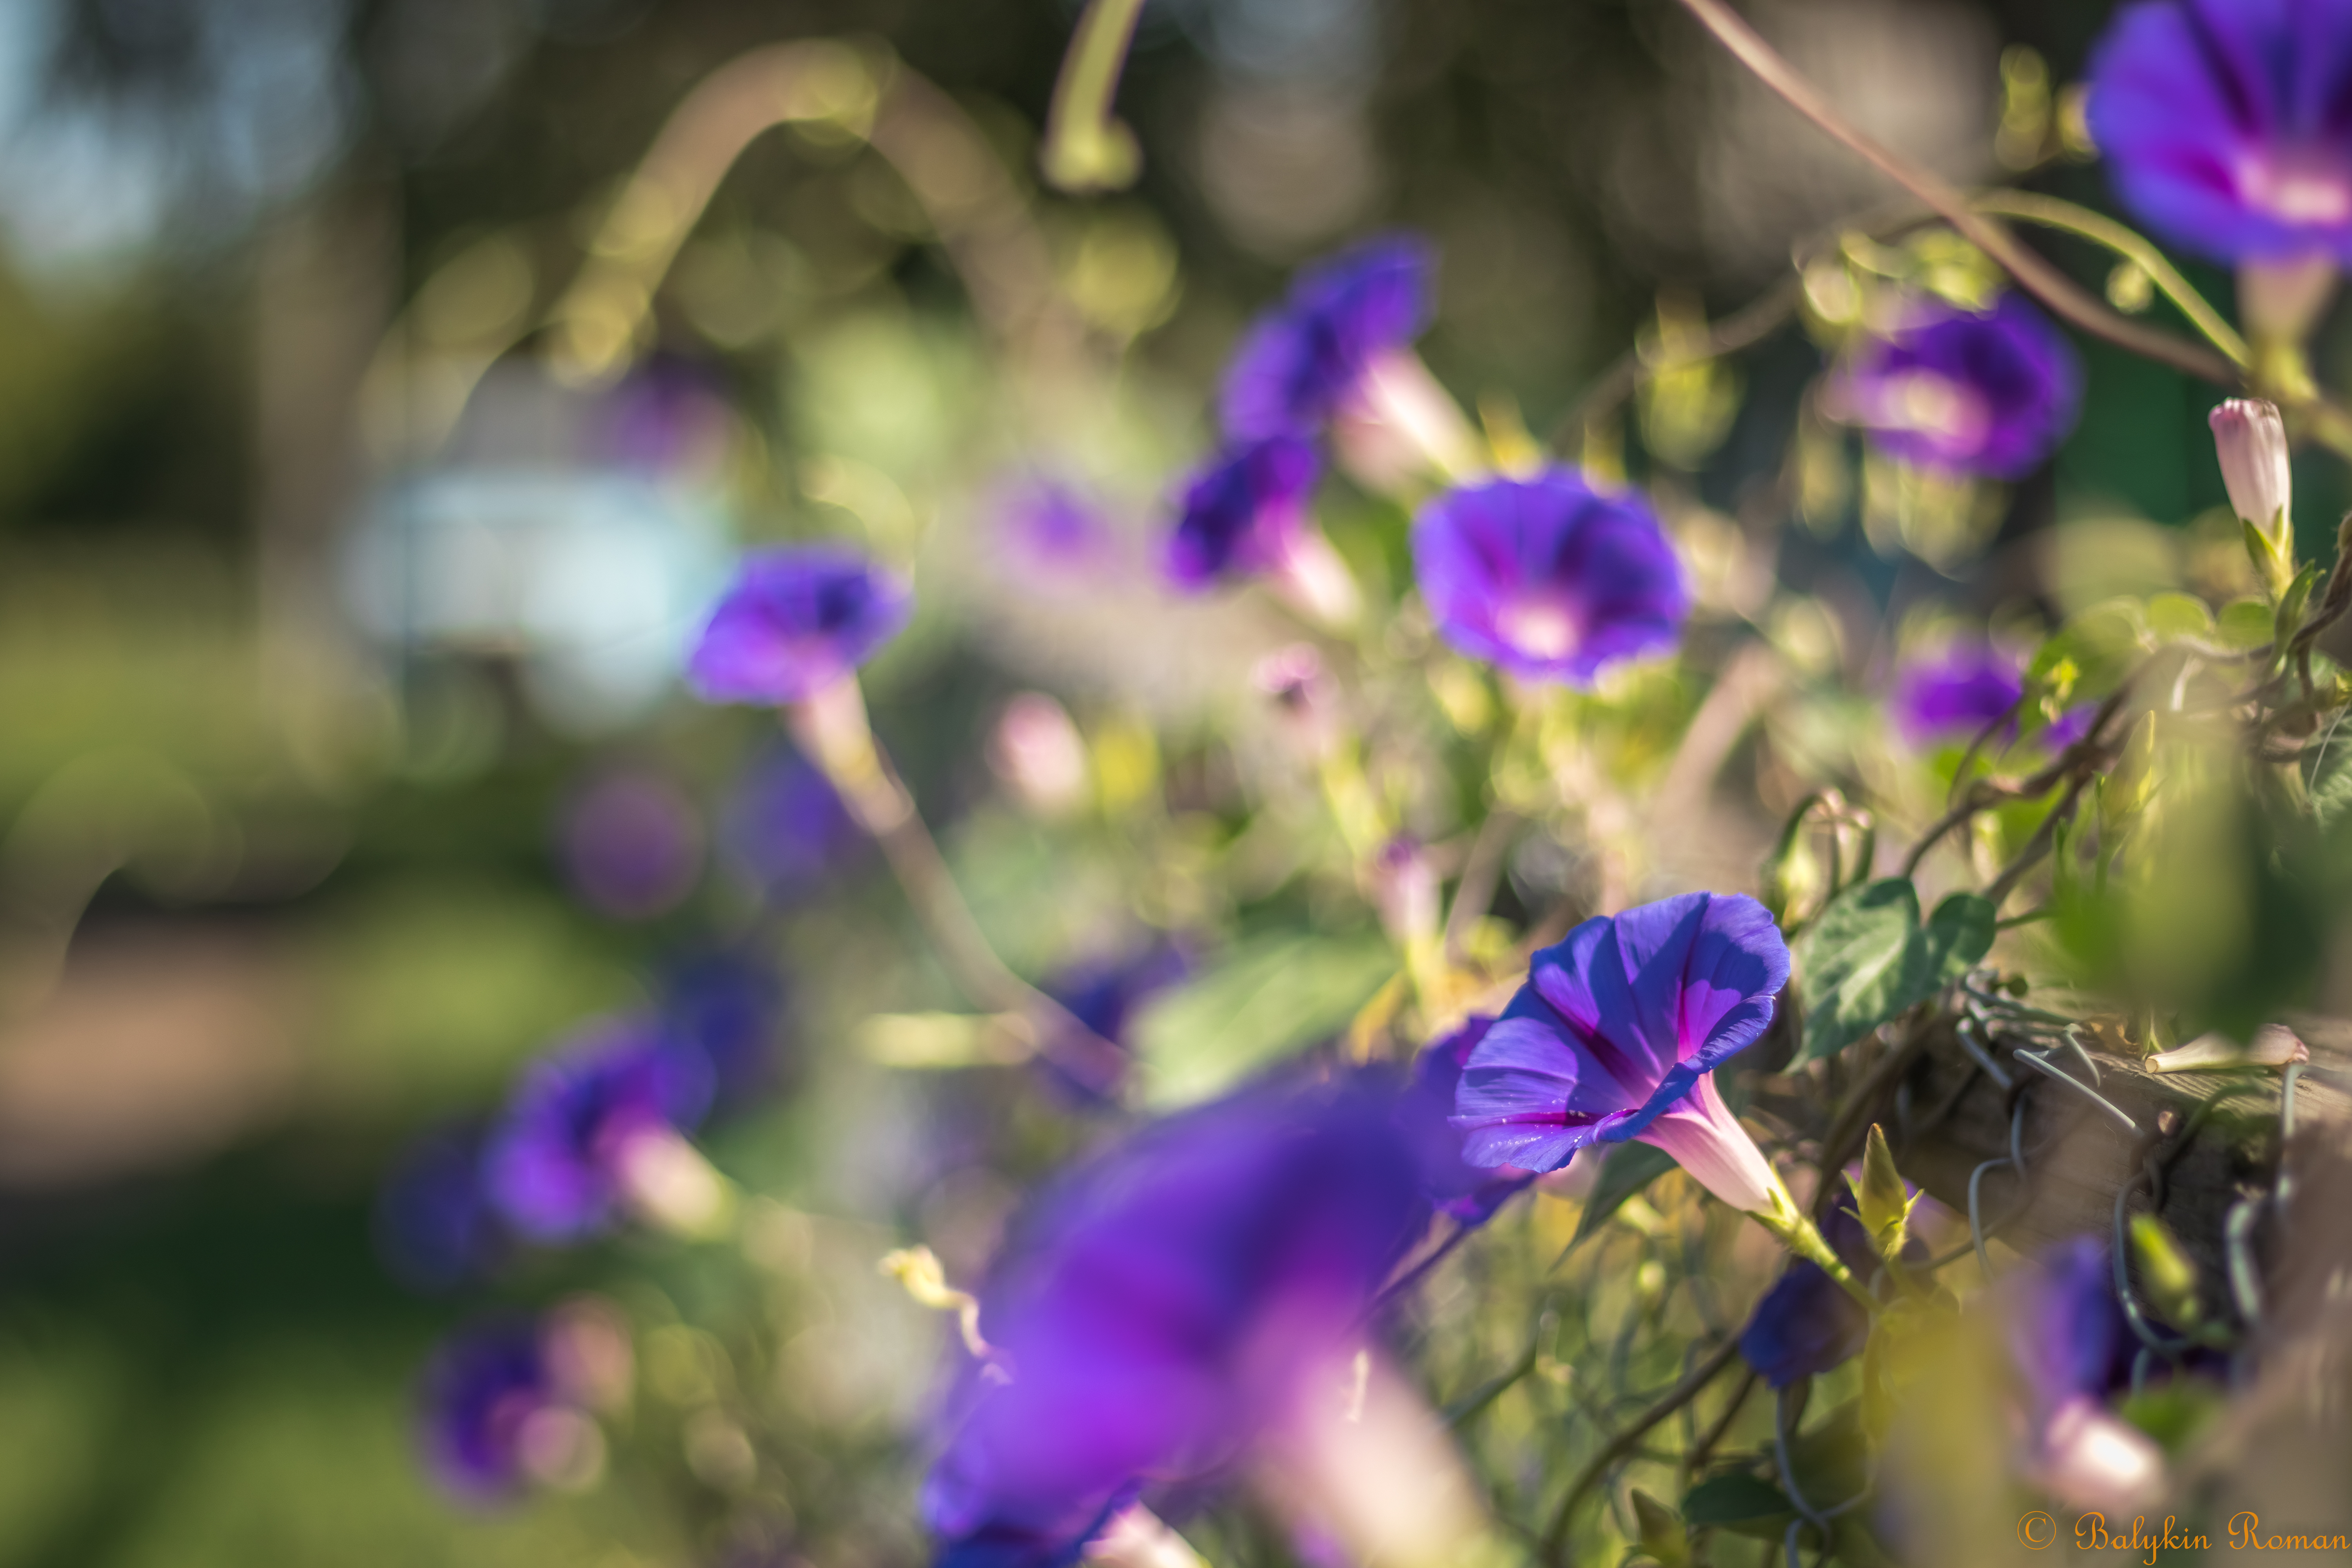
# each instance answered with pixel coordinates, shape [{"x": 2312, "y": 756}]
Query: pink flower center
[
  {"x": 2296, "y": 186},
  {"x": 1540, "y": 628},
  {"x": 1933, "y": 406}
]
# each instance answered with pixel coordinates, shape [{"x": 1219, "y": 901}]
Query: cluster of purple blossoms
[
  {"x": 797, "y": 620},
  {"x": 1164, "y": 1310},
  {"x": 1548, "y": 577},
  {"x": 1957, "y": 391},
  {"x": 1301, "y": 366},
  {"x": 1617, "y": 1034}
]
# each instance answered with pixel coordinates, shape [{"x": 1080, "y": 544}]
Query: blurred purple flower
[
  {"x": 786, "y": 826},
  {"x": 1104, "y": 997},
  {"x": 434, "y": 1230},
  {"x": 2070, "y": 726},
  {"x": 798, "y": 618},
  {"x": 728, "y": 1005},
  {"x": 1806, "y": 1323},
  {"x": 1470, "y": 1194},
  {"x": 2229, "y": 123},
  {"x": 667, "y": 415},
  {"x": 1547, "y": 577},
  {"x": 2067, "y": 1329},
  {"x": 1161, "y": 1309},
  {"x": 1299, "y": 362},
  {"x": 1617, "y": 1034},
  {"x": 1957, "y": 694},
  {"x": 2070, "y": 1343},
  {"x": 482, "y": 1391},
  {"x": 1052, "y": 531},
  {"x": 558, "y": 1166},
  {"x": 1243, "y": 513},
  {"x": 1958, "y": 392},
  {"x": 632, "y": 845}
]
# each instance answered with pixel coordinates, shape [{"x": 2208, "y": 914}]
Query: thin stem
[
  {"x": 1743, "y": 327},
  {"x": 2133, "y": 247},
  {"x": 1705, "y": 1447},
  {"x": 1085, "y": 148},
  {"x": 2032, "y": 273},
  {"x": 834, "y": 730},
  {"x": 1799, "y": 1234},
  {"x": 2039, "y": 844},
  {"x": 1554, "y": 1541},
  {"x": 1481, "y": 874}
]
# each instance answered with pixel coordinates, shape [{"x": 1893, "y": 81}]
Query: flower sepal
[{"x": 1800, "y": 1235}]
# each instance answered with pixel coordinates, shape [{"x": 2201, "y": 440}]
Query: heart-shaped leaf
[{"x": 1866, "y": 959}]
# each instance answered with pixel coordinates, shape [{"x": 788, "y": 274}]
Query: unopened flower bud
[
  {"x": 1039, "y": 754},
  {"x": 2250, "y": 438},
  {"x": 1881, "y": 1200}
]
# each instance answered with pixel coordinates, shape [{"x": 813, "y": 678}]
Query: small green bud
[
  {"x": 2168, "y": 1273},
  {"x": 1663, "y": 1536},
  {"x": 1884, "y": 1207}
]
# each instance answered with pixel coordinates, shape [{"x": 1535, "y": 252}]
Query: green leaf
[
  {"x": 1629, "y": 1168},
  {"x": 2173, "y": 615},
  {"x": 2089, "y": 655},
  {"x": 1738, "y": 1500},
  {"x": 1264, "y": 1002},
  {"x": 2245, "y": 624},
  {"x": 1867, "y": 959}
]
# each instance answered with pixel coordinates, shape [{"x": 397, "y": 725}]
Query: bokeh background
[{"x": 347, "y": 555}]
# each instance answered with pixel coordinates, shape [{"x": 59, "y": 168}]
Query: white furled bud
[{"x": 2250, "y": 438}]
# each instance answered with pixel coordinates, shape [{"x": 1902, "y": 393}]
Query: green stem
[
  {"x": 1797, "y": 1233},
  {"x": 2099, "y": 229},
  {"x": 1085, "y": 148}
]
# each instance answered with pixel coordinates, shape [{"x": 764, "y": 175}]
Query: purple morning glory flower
[
  {"x": 798, "y": 618},
  {"x": 1958, "y": 392},
  {"x": 1243, "y": 513},
  {"x": 2229, "y": 123},
  {"x": 1806, "y": 1323},
  {"x": 558, "y": 1166},
  {"x": 1617, "y": 1034},
  {"x": 1548, "y": 577},
  {"x": 433, "y": 1226},
  {"x": 482, "y": 1391},
  {"x": 1957, "y": 693},
  {"x": 786, "y": 826},
  {"x": 1165, "y": 1306},
  {"x": 2066, "y": 1329},
  {"x": 1470, "y": 1194},
  {"x": 2070, "y": 1345},
  {"x": 1299, "y": 362}
]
